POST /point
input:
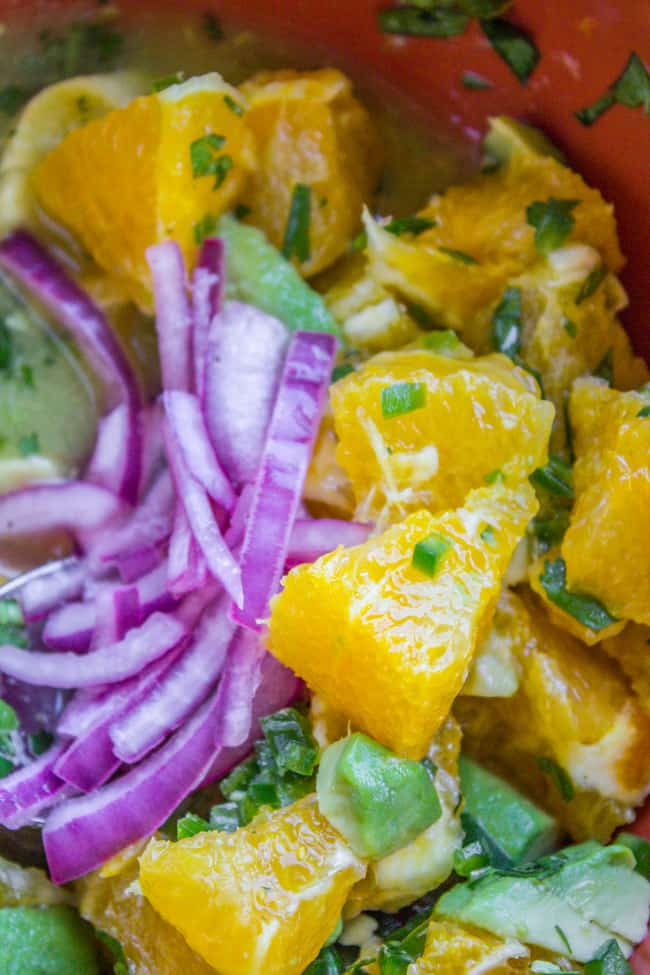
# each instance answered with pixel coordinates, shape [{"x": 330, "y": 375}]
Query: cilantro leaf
[
  {"x": 591, "y": 283},
  {"x": 558, "y": 777},
  {"x": 474, "y": 81},
  {"x": 631, "y": 89},
  {"x": 458, "y": 255},
  {"x": 553, "y": 222},
  {"x": 296, "y": 235},
  {"x": 586, "y": 609},
  {"x": 415, "y": 21},
  {"x": 409, "y": 225},
  {"x": 206, "y": 162},
  {"x": 513, "y": 45},
  {"x": 507, "y": 323}
]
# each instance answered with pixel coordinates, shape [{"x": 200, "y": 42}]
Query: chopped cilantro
[
  {"x": 418, "y": 21},
  {"x": 474, "y": 81},
  {"x": 495, "y": 477},
  {"x": 327, "y": 962},
  {"x": 296, "y": 235},
  {"x": 591, "y": 284},
  {"x": 631, "y": 89},
  {"x": 430, "y": 552},
  {"x": 605, "y": 368},
  {"x": 205, "y": 162},
  {"x": 488, "y": 536},
  {"x": 458, "y": 255},
  {"x": 608, "y": 960},
  {"x": 40, "y": 741},
  {"x": 339, "y": 372},
  {"x": 513, "y": 45},
  {"x": 587, "y": 610},
  {"x": 205, "y": 227},
  {"x": 29, "y": 445},
  {"x": 641, "y": 850},
  {"x": 553, "y": 222},
  {"x": 167, "y": 81},
  {"x": 118, "y": 958},
  {"x": 409, "y": 225},
  {"x": 443, "y": 342},
  {"x": 212, "y": 27},
  {"x": 555, "y": 476},
  {"x": 242, "y": 211},
  {"x": 507, "y": 322},
  {"x": 289, "y": 737},
  {"x": 644, "y": 412},
  {"x": 6, "y": 347},
  {"x": 233, "y": 105},
  {"x": 550, "y": 530},
  {"x": 570, "y": 327},
  {"x": 558, "y": 777},
  {"x": 565, "y": 941},
  {"x": 189, "y": 825},
  {"x": 420, "y": 314},
  {"x": 402, "y": 398}
]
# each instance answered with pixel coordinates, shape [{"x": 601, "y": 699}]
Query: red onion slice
[
  {"x": 113, "y": 663},
  {"x": 180, "y": 692},
  {"x": 191, "y": 439},
  {"x": 282, "y": 470},
  {"x": 45, "y": 592},
  {"x": 239, "y": 683},
  {"x": 89, "y": 762},
  {"x": 73, "y": 505},
  {"x": 312, "y": 538},
  {"x": 208, "y": 283},
  {"x": 245, "y": 355},
  {"x": 135, "y": 565},
  {"x": 31, "y": 789},
  {"x": 148, "y": 526},
  {"x": 153, "y": 452},
  {"x": 107, "y": 466},
  {"x": 183, "y": 564},
  {"x": 173, "y": 318},
  {"x": 70, "y": 628},
  {"x": 34, "y": 268}
]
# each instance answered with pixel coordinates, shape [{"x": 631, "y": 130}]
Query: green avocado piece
[
  {"x": 569, "y": 903},
  {"x": 259, "y": 275},
  {"x": 376, "y": 800},
  {"x": 513, "y": 824},
  {"x": 506, "y": 137},
  {"x": 46, "y": 941},
  {"x": 641, "y": 850}
]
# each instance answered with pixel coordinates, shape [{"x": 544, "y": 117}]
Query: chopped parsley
[
  {"x": 507, "y": 323},
  {"x": 591, "y": 284},
  {"x": 553, "y": 222},
  {"x": 167, "y": 81},
  {"x": 458, "y": 255},
  {"x": 643, "y": 413},
  {"x": 430, "y": 552},
  {"x": 233, "y": 105},
  {"x": 555, "y": 476},
  {"x": 605, "y": 368},
  {"x": 339, "y": 372},
  {"x": 587, "y": 610},
  {"x": 563, "y": 938},
  {"x": 495, "y": 477},
  {"x": 513, "y": 45},
  {"x": 212, "y": 27},
  {"x": 442, "y": 342},
  {"x": 29, "y": 445},
  {"x": 474, "y": 81},
  {"x": 402, "y": 398},
  {"x": 409, "y": 225},
  {"x": 205, "y": 227},
  {"x": 631, "y": 89},
  {"x": 206, "y": 162},
  {"x": 118, "y": 958},
  {"x": 608, "y": 960},
  {"x": 296, "y": 235},
  {"x": 290, "y": 741},
  {"x": 558, "y": 777},
  {"x": 570, "y": 327},
  {"x": 418, "y": 21}
]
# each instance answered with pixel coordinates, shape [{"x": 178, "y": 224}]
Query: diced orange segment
[
  {"x": 311, "y": 131},
  {"x": 472, "y": 418},
  {"x": 128, "y": 179},
  {"x": 455, "y": 950},
  {"x": 607, "y": 545},
  {"x": 260, "y": 901},
  {"x": 631, "y": 648},
  {"x": 387, "y": 643}
]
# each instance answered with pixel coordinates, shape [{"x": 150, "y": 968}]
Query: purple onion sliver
[
  {"x": 135, "y": 565},
  {"x": 70, "y": 628},
  {"x": 191, "y": 439},
  {"x": 149, "y": 525},
  {"x": 72, "y": 505},
  {"x": 90, "y": 761},
  {"x": 208, "y": 282},
  {"x": 311, "y": 538},
  {"x": 30, "y": 789},
  {"x": 127, "y": 610},
  {"x": 106, "y": 467},
  {"x": 239, "y": 682},
  {"x": 43, "y": 594},
  {"x": 173, "y": 318}
]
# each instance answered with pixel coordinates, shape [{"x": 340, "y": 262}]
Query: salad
[{"x": 335, "y": 655}]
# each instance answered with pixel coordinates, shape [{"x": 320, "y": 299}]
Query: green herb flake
[
  {"x": 402, "y": 398},
  {"x": 235, "y": 107},
  {"x": 416, "y": 21},
  {"x": 513, "y": 45},
  {"x": 558, "y": 777},
  {"x": 205, "y": 162},
  {"x": 327, "y": 962},
  {"x": 204, "y": 228},
  {"x": 488, "y": 536},
  {"x": 167, "y": 81},
  {"x": 409, "y": 225},
  {"x": 6, "y": 347},
  {"x": 120, "y": 964},
  {"x": 296, "y": 235},
  {"x": 631, "y": 89},
  {"x": 591, "y": 284},
  {"x": 551, "y": 529},
  {"x": 469, "y": 859},
  {"x": 291, "y": 742},
  {"x": 242, "y": 211},
  {"x": 563, "y": 938},
  {"x": 587, "y": 610},
  {"x": 419, "y": 314},
  {"x": 430, "y": 552},
  {"x": 29, "y": 445},
  {"x": 474, "y": 81},
  {"x": 608, "y": 960},
  {"x": 40, "y": 741},
  {"x": 495, "y": 477},
  {"x": 556, "y": 477},
  {"x": 340, "y": 372},
  {"x": 458, "y": 255},
  {"x": 212, "y": 27},
  {"x": 644, "y": 412},
  {"x": 641, "y": 850},
  {"x": 570, "y": 328},
  {"x": 553, "y": 222},
  {"x": 507, "y": 323},
  {"x": 443, "y": 342},
  {"x": 605, "y": 368},
  {"x": 190, "y": 825},
  {"x": 12, "y": 99}
]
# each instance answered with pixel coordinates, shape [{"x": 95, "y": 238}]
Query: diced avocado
[
  {"x": 507, "y": 137},
  {"x": 259, "y": 275},
  {"x": 376, "y": 800},
  {"x": 569, "y": 903},
  {"x": 45, "y": 941},
  {"x": 641, "y": 850},
  {"x": 47, "y": 403},
  {"x": 515, "y": 825}
]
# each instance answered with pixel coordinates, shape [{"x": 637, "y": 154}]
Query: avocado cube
[{"x": 46, "y": 941}]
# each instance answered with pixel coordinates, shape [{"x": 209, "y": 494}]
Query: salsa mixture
[{"x": 333, "y": 460}]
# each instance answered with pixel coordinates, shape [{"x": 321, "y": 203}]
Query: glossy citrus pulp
[
  {"x": 382, "y": 641},
  {"x": 454, "y": 950},
  {"x": 260, "y": 901}
]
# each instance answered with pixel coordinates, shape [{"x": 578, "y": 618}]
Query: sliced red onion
[
  {"x": 113, "y": 663},
  {"x": 235, "y": 534},
  {"x": 73, "y": 505},
  {"x": 47, "y": 590},
  {"x": 239, "y": 683},
  {"x": 107, "y": 466},
  {"x": 193, "y": 606},
  {"x": 245, "y": 354},
  {"x": 70, "y": 628},
  {"x": 33, "y": 267},
  {"x": 191, "y": 439},
  {"x": 202, "y": 521},
  {"x": 31, "y": 789},
  {"x": 127, "y": 610},
  {"x": 180, "y": 692},
  {"x": 135, "y": 565},
  {"x": 153, "y": 594},
  {"x": 107, "y": 631},
  {"x": 183, "y": 565},
  {"x": 312, "y": 538},
  {"x": 149, "y": 525},
  {"x": 90, "y": 761},
  {"x": 282, "y": 471},
  {"x": 208, "y": 283},
  {"x": 173, "y": 318}
]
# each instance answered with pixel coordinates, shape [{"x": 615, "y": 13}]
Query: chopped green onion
[
  {"x": 29, "y": 445},
  {"x": 474, "y": 81},
  {"x": 550, "y": 530},
  {"x": 339, "y": 372},
  {"x": 570, "y": 327},
  {"x": 470, "y": 858},
  {"x": 608, "y": 960},
  {"x": 641, "y": 850},
  {"x": 644, "y": 412},
  {"x": 233, "y": 105},
  {"x": 564, "y": 939},
  {"x": 240, "y": 778},
  {"x": 167, "y": 81},
  {"x": 418, "y": 22},
  {"x": 513, "y": 45},
  {"x": 327, "y": 962},
  {"x": 553, "y": 222},
  {"x": 225, "y": 817},
  {"x": 212, "y": 27},
  {"x": 558, "y": 777},
  {"x": 591, "y": 284},
  {"x": 555, "y": 476},
  {"x": 443, "y": 342},
  {"x": 495, "y": 477},
  {"x": 507, "y": 323},
  {"x": 296, "y": 235},
  {"x": 430, "y": 552},
  {"x": 605, "y": 368},
  {"x": 458, "y": 255},
  {"x": 409, "y": 225},
  {"x": 205, "y": 227},
  {"x": 40, "y": 741},
  {"x": 242, "y": 211},
  {"x": 587, "y": 610},
  {"x": 420, "y": 314},
  {"x": 488, "y": 536},
  {"x": 402, "y": 398},
  {"x": 190, "y": 825},
  {"x": 291, "y": 742},
  {"x": 631, "y": 89}
]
